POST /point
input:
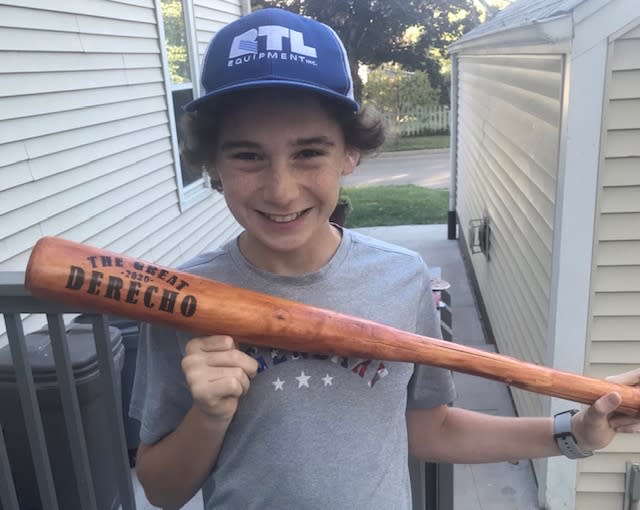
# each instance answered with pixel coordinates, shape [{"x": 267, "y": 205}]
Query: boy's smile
[{"x": 280, "y": 158}]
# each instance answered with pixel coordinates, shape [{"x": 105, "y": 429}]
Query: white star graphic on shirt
[
  {"x": 303, "y": 380},
  {"x": 328, "y": 380},
  {"x": 278, "y": 384}
]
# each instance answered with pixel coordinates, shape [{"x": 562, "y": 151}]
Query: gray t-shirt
[{"x": 313, "y": 431}]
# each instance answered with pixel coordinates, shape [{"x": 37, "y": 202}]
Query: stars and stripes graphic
[
  {"x": 368, "y": 370},
  {"x": 303, "y": 381}
]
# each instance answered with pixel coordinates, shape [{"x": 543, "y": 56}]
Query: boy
[{"x": 259, "y": 428}]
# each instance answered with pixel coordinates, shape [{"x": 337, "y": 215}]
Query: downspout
[
  {"x": 245, "y": 7},
  {"x": 453, "y": 128}
]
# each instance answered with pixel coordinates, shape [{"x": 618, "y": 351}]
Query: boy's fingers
[
  {"x": 210, "y": 344},
  {"x": 232, "y": 359},
  {"x": 605, "y": 405},
  {"x": 622, "y": 420},
  {"x": 629, "y": 429},
  {"x": 217, "y": 343},
  {"x": 224, "y": 382},
  {"x": 218, "y": 351},
  {"x": 230, "y": 382},
  {"x": 630, "y": 378}
]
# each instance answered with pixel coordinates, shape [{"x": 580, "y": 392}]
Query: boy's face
[{"x": 280, "y": 158}]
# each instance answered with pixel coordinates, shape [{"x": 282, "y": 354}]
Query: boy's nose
[{"x": 280, "y": 186}]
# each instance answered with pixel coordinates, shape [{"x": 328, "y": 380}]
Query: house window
[{"x": 179, "y": 59}]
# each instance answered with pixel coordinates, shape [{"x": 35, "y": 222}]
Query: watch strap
[{"x": 565, "y": 439}]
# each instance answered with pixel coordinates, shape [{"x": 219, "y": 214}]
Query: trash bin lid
[
  {"x": 119, "y": 322},
  {"x": 82, "y": 352},
  {"x": 129, "y": 328}
]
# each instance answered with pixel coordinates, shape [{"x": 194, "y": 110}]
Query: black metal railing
[{"x": 14, "y": 301}]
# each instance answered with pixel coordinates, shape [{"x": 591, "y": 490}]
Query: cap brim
[{"x": 209, "y": 99}]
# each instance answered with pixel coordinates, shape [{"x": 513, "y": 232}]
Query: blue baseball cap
[{"x": 276, "y": 48}]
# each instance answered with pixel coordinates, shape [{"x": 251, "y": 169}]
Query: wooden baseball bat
[{"x": 93, "y": 278}]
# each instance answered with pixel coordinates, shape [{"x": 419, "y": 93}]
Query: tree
[
  {"x": 394, "y": 90},
  {"x": 403, "y": 31},
  {"x": 175, "y": 37}
]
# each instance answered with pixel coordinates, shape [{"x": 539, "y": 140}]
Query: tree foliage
[
  {"x": 394, "y": 90},
  {"x": 175, "y": 38},
  {"x": 412, "y": 33}
]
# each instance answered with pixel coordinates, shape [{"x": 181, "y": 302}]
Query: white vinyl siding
[
  {"x": 210, "y": 17},
  {"x": 508, "y": 142},
  {"x": 85, "y": 147},
  {"x": 85, "y": 139},
  {"x": 576, "y": 307},
  {"x": 614, "y": 327}
]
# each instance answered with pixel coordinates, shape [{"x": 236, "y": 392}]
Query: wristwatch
[{"x": 564, "y": 437}]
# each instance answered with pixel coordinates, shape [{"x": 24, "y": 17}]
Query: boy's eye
[
  {"x": 309, "y": 153},
  {"x": 246, "y": 156}
]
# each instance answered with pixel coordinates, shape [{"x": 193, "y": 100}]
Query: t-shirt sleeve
[
  {"x": 160, "y": 397},
  {"x": 429, "y": 386}
]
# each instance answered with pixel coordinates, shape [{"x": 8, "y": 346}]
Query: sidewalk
[{"x": 496, "y": 486}]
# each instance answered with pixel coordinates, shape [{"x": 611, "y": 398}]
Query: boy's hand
[
  {"x": 596, "y": 426},
  {"x": 218, "y": 374}
]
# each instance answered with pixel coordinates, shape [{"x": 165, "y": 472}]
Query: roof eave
[{"x": 553, "y": 35}]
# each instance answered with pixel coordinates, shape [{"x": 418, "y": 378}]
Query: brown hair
[{"x": 364, "y": 130}]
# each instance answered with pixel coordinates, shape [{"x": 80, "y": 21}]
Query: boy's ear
[
  {"x": 214, "y": 178},
  {"x": 352, "y": 160}
]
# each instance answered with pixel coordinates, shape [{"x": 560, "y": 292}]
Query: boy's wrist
[
  {"x": 211, "y": 424},
  {"x": 563, "y": 434}
]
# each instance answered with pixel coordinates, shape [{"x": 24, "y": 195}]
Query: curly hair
[{"x": 364, "y": 130}]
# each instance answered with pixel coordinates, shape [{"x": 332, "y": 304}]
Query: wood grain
[{"x": 93, "y": 278}]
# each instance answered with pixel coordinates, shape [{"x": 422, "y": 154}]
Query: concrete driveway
[{"x": 428, "y": 168}]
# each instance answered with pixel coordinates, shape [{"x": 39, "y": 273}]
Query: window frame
[{"x": 194, "y": 192}]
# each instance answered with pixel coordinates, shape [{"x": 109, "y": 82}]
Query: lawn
[
  {"x": 377, "y": 206},
  {"x": 417, "y": 142}
]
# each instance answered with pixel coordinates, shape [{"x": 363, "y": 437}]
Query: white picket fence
[{"x": 419, "y": 120}]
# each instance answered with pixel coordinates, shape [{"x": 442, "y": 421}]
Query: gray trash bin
[{"x": 91, "y": 401}]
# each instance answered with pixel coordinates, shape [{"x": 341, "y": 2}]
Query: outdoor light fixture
[{"x": 480, "y": 236}]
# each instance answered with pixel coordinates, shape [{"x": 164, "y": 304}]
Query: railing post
[
  {"x": 15, "y": 301},
  {"x": 113, "y": 410},
  {"x": 8, "y": 496},
  {"x": 31, "y": 412},
  {"x": 71, "y": 408}
]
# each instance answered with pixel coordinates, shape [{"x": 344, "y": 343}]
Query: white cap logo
[{"x": 274, "y": 34}]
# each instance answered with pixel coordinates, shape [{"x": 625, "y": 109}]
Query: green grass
[
  {"x": 378, "y": 206},
  {"x": 417, "y": 142}
]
